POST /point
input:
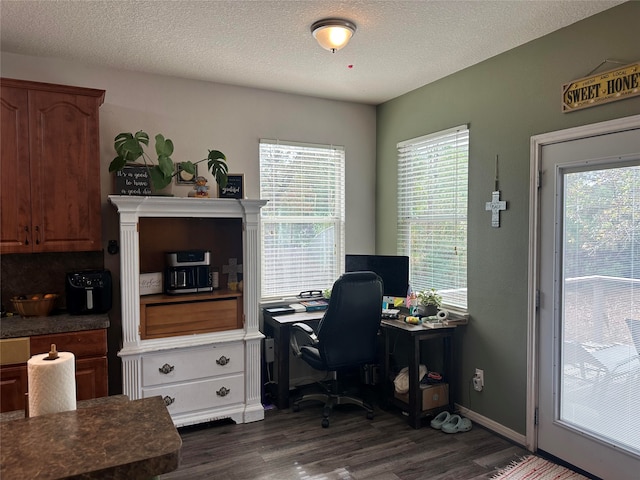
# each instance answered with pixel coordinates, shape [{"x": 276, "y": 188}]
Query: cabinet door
[
  {"x": 13, "y": 386},
  {"x": 91, "y": 378},
  {"x": 15, "y": 207},
  {"x": 65, "y": 171}
]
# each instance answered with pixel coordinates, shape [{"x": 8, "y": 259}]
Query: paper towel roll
[
  {"x": 443, "y": 315},
  {"x": 52, "y": 384}
]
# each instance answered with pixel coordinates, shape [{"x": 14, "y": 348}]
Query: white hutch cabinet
[{"x": 200, "y": 352}]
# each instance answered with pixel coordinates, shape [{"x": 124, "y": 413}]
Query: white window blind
[
  {"x": 432, "y": 212},
  {"x": 303, "y": 221}
]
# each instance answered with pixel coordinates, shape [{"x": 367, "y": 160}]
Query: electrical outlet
[
  {"x": 268, "y": 350},
  {"x": 478, "y": 380}
]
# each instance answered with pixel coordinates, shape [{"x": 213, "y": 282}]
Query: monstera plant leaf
[
  {"x": 218, "y": 166},
  {"x": 158, "y": 179},
  {"x": 164, "y": 149},
  {"x": 129, "y": 149}
]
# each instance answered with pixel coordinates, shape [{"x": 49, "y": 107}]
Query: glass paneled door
[{"x": 589, "y": 315}]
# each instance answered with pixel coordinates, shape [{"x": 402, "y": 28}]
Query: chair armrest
[
  {"x": 301, "y": 335},
  {"x": 306, "y": 328}
]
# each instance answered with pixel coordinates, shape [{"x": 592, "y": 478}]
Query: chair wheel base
[
  {"x": 325, "y": 423},
  {"x": 369, "y": 415}
]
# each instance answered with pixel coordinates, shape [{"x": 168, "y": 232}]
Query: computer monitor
[{"x": 392, "y": 269}]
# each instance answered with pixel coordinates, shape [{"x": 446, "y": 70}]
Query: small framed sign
[
  {"x": 132, "y": 180},
  {"x": 185, "y": 178},
  {"x": 150, "y": 283},
  {"x": 234, "y": 187}
]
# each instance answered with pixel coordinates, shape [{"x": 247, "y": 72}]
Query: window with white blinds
[
  {"x": 432, "y": 212},
  {"x": 303, "y": 220}
]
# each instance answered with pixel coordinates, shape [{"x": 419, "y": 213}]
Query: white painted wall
[{"x": 199, "y": 116}]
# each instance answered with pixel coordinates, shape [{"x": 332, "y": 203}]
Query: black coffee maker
[{"x": 188, "y": 271}]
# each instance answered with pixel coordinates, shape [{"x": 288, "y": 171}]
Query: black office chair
[{"x": 345, "y": 338}]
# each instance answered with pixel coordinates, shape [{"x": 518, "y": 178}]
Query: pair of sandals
[{"x": 451, "y": 423}]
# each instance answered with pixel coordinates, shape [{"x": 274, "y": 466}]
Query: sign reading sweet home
[
  {"x": 601, "y": 88},
  {"x": 132, "y": 180}
]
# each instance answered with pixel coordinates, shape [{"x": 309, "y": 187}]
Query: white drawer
[
  {"x": 172, "y": 366},
  {"x": 200, "y": 395}
]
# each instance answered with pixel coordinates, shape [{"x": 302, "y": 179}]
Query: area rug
[{"x": 536, "y": 468}]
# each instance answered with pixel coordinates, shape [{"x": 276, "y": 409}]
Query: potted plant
[
  {"x": 430, "y": 302},
  {"x": 129, "y": 148}
]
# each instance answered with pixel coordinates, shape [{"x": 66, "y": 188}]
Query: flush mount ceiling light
[{"x": 333, "y": 33}]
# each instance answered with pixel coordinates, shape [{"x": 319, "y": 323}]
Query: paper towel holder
[{"x": 53, "y": 353}]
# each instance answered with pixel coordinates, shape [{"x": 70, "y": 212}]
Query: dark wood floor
[{"x": 288, "y": 445}]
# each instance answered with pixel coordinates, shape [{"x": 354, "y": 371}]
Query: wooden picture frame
[
  {"x": 184, "y": 178},
  {"x": 234, "y": 187}
]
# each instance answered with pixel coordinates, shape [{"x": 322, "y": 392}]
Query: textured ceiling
[{"x": 398, "y": 46}]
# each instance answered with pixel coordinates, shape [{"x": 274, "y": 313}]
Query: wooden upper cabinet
[
  {"x": 50, "y": 166},
  {"x": 15, "y": 190}
]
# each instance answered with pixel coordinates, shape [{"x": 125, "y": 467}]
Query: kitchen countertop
[
  {"x": 17, "y": 326},
  {"x": 112, "y": 438},
  {"x": 94, "y": 402}
]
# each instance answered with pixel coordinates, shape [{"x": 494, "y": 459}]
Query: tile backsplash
[{"x": 24, "y": 274}]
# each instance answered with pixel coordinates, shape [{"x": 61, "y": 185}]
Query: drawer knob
[
  {"x": 223, "y": 360},
  {"x": 166, "y": 369},
  {"x": 223, "y": 392},
  {"x": 168, "y": 400}
]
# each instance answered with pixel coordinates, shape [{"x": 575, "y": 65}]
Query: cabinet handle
[
  {"x": 166, "y": 369},
  {"x": 223, "y": 360},
  {"x": 168, "y": 400},
  {"x": 223, "y": 392},
  {"x": 26, "y": 236},
  {"x": 37, "y": 235}
]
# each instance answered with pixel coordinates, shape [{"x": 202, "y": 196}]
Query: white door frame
[{"x": 537, "y": 142}]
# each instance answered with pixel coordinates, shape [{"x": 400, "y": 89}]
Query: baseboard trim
[{"x": 493, "y": 426}]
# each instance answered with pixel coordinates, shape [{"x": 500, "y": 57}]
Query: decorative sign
[
  {"x": 601, "y": 88},
  {"x": 150, "y": 283},
  {"x": 234, "y": 187},
  {"x": 133, "y": 180}
]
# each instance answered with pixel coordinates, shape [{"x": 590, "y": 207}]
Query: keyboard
[{"x": 390, "y": 313}]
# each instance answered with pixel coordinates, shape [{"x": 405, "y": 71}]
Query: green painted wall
[{"x": 505, "y": 100}]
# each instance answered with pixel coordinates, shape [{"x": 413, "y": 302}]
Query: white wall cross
[
  {"x": 495, "y": 205},
  {"x": 233, "y": 269}
]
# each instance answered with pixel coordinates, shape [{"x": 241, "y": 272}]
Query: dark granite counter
[
  {"x": 17, "y": 326},
  {"x": 94, "y": 402},
  {"x": 111, "y": 438}
]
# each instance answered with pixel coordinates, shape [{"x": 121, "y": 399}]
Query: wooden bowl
[{"x": 35, "y": 307}]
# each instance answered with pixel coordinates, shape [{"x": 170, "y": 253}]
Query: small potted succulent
[
  {"x": 429, "y": 302},
  {"x": 129, "y": 148}
]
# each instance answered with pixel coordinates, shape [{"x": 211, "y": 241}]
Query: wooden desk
[
  {"x": 416, "y": 334},
  {"x": 117, "y": 439},
  {"x": 279, "y": 328}
]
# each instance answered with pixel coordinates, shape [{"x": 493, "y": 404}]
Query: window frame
[
  {"x": 429, "y": 166},
  {"x": 331, "y": 213}
]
